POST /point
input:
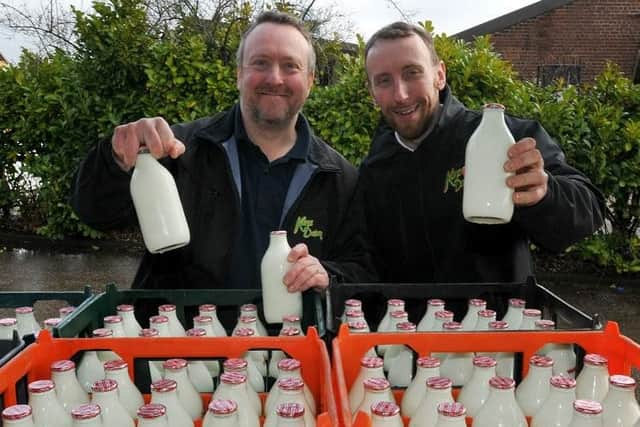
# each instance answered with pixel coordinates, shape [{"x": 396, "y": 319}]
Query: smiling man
[
  {"x": 409, "y": 195},
  {"x": 240, "y": 174}
]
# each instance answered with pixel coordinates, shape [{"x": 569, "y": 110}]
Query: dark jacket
[
  {"x": 411, "y": 203},
  {"x": 204, "y": 176}
]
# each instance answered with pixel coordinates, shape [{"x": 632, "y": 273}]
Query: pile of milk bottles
[
  {"x": 25, "y": 323},
  {"x": 99, "y": 391},
  {"x": 550, "y": 395}
]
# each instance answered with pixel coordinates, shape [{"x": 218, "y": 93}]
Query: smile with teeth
[{"x": 406, "y": 110}]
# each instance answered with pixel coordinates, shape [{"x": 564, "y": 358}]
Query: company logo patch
[
  {"x": 454, "y": 180},
  {"x": 304, "y": 226}
]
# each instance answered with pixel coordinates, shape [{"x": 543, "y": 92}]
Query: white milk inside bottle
[
  {"x": 128, "y": 393},
  {"x": 277, "y": 300},
  {"x": 7, "y": 326},
  {"x": 176, "y": 369},
  {"x": 68, "y": 389},
  {"x": 165, "y": 393},
  {"x": 375, "y": 390},
  {"x": 593, "y": 381},
  {"x": 501, "y": 408},
  {"x": 476, "y": 391},
  {"x": 427, "y": 367},
  {"x": 350, "y": 304},
  {"x": 241, "y": 366},
  {"x": 471, "y": 316},
  {"x": 400, "y": 358},
  {"x": 557, "y": 408},
  {"x": 47, "y": 409},
  {"x": 433, "y": 305},
  {"x": 105, "y": 394},
  {"x": 438, "y": 391},
  {"x": 536, "y": 386},
  {"x": 129, "y": 322},
  {"x": 619, "y": 407},
  {"x": 370, "y": 367},
  {"x": 199, "y": 373},
  {"x": 212, "y": 311},
  {"x": 26, "y": 321},
  {"x": 456, "y": 366}
]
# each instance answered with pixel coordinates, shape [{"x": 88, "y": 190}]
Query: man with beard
[
  {"x": 240, "y": 174},
  {"x": 409, "y": 194}
]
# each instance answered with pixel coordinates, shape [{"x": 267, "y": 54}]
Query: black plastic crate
[
  {"x": 89, "y": 315},
  {"x": 374, "y": 298}
]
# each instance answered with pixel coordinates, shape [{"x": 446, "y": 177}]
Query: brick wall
[{"x": 584, "y": 32}]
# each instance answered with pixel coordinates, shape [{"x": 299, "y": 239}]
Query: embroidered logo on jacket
[
  {"x": 454, "y": 180},
  {"x": 304, "y": 225}
]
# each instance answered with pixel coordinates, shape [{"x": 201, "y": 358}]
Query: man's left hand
[
  {"x": 530, "y": 179},
  {"x": 306, "y": 271}
]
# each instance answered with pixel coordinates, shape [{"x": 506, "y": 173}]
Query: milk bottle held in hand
[
  {"x": 17, "y": 416},
  {"x": 277, "y": 300},
  {"x": 157, "y": 202},
  {"x": 486, "y": 199}
]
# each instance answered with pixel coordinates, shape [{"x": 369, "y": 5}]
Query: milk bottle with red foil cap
[
  {"x": 278, "y": 355},
  {"x": 105, "y": 394},
  {"x": 26, "y": 321},
  {"x": 51, "y": 323},
  {"x": 535, "y": 387},
  {"x": 385, "y": 414},
  {"x": 471, "y": 316},
  {"x": 89, "y": 370},
  {"x": 484, "y": 318},
  {"x": 529, "y": 318},
  {"x": 426, "y": 323},
  {"x": 361, "y": 327},
  {"x": 375, "y": 390},
  {"x": 619, "y": 407},
  {"x": 221, "y": 413},
  {"x": 476, "y": 391},
  {"x": 587, "y": 413},
  {"x": 451, "y": 415},
  {"x": 438, "y": 391},
  {"x": 86, "y": 415},
  {"x": 47, "y": 409},
  {"x": 290, "y": 368},
  {"x": 400, "y": 358},
  {"x": 68, "y": 389},
  {"x": 501, "y": 408},
  {"x": 557, "y": 408},
  {"x": 155, "y": 368},
  {"x": 505, "y": 360},
  {"x": 426, "y": 367},
  {"x": 241, "y": 366},
  {"x": 486, "y": 198},
  {"x": 257, "y": 368},
  {"x": 277, "y": 300},
  {"x": 290, "y": 391},
  {"x": 206, "y": 323},
  {"x": 593, "y": 381},
  {"x": 130, "y": 396},
  {"x": 175, "y": 326},
  {"x": 563, "y": 355},
  {"x": 7, "y": 326},
  {"x": 393, "y": 304},
  {"x": 114, "y": 324},
  {"x": 515, "y": 313},
  {"x": 233, "y": 386},
  {"x": 105, "y": 355},
  {"x": 350, "y": 304},
  {"x": 199, "y": 374},
  {"x": 260, "y": 357},
  {"x": 456, "y": 366},
  {"x": 252, "y": 310},
  {"x": 152, "y": 415},
  {"x": 292, "y": 321},
  {"x": 212, "y": 311},
  {"x": 129, "y": 322},
  {"x": 395, "y": 317},
  {"x": 176, "y": 369},
  {"x": 17, "y": 416},
  {"x": 370, "y": 367},
  {"x": 290, "y": 414},
  {"x": 165, "y": 393}
]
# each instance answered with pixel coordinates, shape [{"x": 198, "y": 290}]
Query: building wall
[{"x": 584, "y": 32}]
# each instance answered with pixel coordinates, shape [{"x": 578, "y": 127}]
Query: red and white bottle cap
[
  {"x": 16, "y": 412},
  {"x": 196, "y": 332},
  {"x": 541, "y": 361},
  {"x": 291, "y": 318},
  {"x": 62, "y": 366},
  {"x": 385, "y": 409},
  {"x": 103, "y": 386},
  {"x": 9, "y": 321},
  {"x": 587, "y": 407},
  {"x": 165, "y": 385},
  {"x": 354, "y": 313},
  {"x": 594, "y": 359},
  {"x": 484, "y": 361},
  {"x": 376, "y": 384},
  {"x": 289, "y": 365},
  {"x": 544, "y": 324},
  {"x": 452, "y": 409},
  {"x": 439, "y": 383},
  {"x": 158, "y": 319},
  {"x": 233, "y": 378},
  {"x": 41, "y": 386},
  {"x": 452, "y": 326},
  {"x": 371, "y": 362},
  {"x": 352, "y": 302},
  {"x": 559, "y": 381},
  {"x": 477, "y": 302},
  {"x": 357, "y": 325},
  {"x": 207, "y": 308},
  {"x": 24, "y": 310},
  {"x": 487, "y": 314},
  {"x": 165, "y": 308},
  {"x": 435, "y": 302},
  {"x": 235, "y": 364},
  {"x": 517, "y": 302},
  {"x": 290, "y": 410},
  {"x": 174, "y": 364},
  {"x": 148, "y": 332},
  {"x": 502, "y": 383},
  {"x": 622, "y": 381},
  {"x": 243, "y": 332},
  {"x": 102, "y": 333},
  {"x": 151, "y": 411},
  {"x": 222, "y": 406},
  {"x": 115, "y": 365},
  {"x": 290, "y": 384},
  {"x": 395, "y": 302},
  {"x": 444, "y": 315},
  {"x": 427, "y": 362},
  {"x": 52, "y": 322},
  {"x": 531, "y": 312},
  {"x": 498, "y": 325},
  {"x": 406, "y": 327},
  {"x": 289, "y": 331},
  {"x": 110, "y": 320},
  {"x": 400, "y": 314},
  {"x": 124, "y": 308},
  {"x": 201, "y": 320},
  {"x": 86, "y": 411},
  {"x": 248, "y": 308}
]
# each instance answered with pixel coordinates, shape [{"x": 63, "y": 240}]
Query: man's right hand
[{"x": 154, "y": 133}]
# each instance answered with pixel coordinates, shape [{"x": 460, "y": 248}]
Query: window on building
[{"x": 547, "y": 74}]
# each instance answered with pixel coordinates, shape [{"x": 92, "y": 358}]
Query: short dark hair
[
  {"x": 399, "y": 30},
  {"x": 279, "y": 18}
]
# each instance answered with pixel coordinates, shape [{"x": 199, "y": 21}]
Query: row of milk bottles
[
  {"x": 593, "y": 399},
  {"x": 398, "y": 359},
  {"x": 114, "y": 400},
  {"x": 25, "y": 322}
]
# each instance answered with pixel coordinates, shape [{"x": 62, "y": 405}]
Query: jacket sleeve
[
  {"x": 573, "y": 207},
  {"x": 100, "y": 193}
]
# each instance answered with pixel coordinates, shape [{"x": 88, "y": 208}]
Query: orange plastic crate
[
  {"x": 33, "y": 363},
  {"x": 622, "y": 352}
]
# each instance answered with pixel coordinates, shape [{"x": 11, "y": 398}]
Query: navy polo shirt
[{"x": 264, "y": 189}]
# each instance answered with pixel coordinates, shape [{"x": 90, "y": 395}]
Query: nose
[
  {"x": 400, "y": 91},
  {"x": 275, "y": 75}
]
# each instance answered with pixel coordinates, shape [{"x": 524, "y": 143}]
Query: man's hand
[
  {"x": 530, "y": 179},
  {"x": 306, "y": 271},
  {"x": 154, "y": 133}
]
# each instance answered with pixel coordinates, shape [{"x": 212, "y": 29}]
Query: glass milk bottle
[
  {"x": 456, "y": 366},
  {"x": 252, "y": 310},
  {"x": 370, "y": 367},
  {"x": 155, "y": 368},
  {"x": 241, "y": 366},
  {"x": 7, "y": 326},
  {"x": 393, "y": 304},
  {"x": 87, "y": 415},
  {"x": 375, "y": 390},
  {"x": 501, "y": 408},
  {"x": 587, "y": 413},
  {"x": 290, "y": 391},
  {"x": 165, "y": 393},
  {"x": 105, "y": 355},
  {"x": 471, "y": 317},
  {"x": 427, "y": 367},
  {"x": 157, "y": 204},
  {"x": 130, "y": 396},
  {"x": 486, "y": 199},
  {"x": 395, "y": 317},
  {"x": 47, "y": 409},
  {"x": 563, "y": 355},
  {"x": 350, "y": 304},
  {"x": 176, "y": 369},
  {"x": 292, "y": 321},
  {"x": 68, "y": 389},
  {"x": 476, "y": 391},
  {"x": 400, "y": 358},
  {"x": 619, "y": 408},
  {"x": 51, "y": 323},
  {"x": 175, "y": 327},
  {"x": 199, "y": 374},
  {"x": 484, "y": 318},
  {"x": 593, "y": 381},
  {"x": 278, "y": 355},
  {"x": 152, "y": 415},
  {"x": 129, "y": 322},
  {"x": 355, "y": 315},
  {"x": 277, "y": 300},
  {"x": 451, "y": 415},
  {"x": 557, "y": 408},
  {"x": 257, "y": 359},
  {"x": 505, "y": 361},
  {"x": 89, "y": 370},
  {"x": 385, "y": 414},
  {"x": 114, "y": 324},
  {"x": 529, "y": 318},
  {"x": 438, "y": 391},
  {"x": 221, "y": 413},
  {"x": 212, "y": 311},
  {"x": 105, "y": 394},
  {"x": 426, "y": 323},
  {"x": 233, "y": 386},
  {"x": 535, "y": 387},
  {"x": 515, "y": 313},
  {"x": 290, "y": 368},
  {"x": 290, "y": 414},
  {"x": 17, "y": 416},
  {"x": 361, "y": 327},
  {"x": 26, "y": 321}
]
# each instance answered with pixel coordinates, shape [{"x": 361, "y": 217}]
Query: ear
[
  {"x": 238, "y": 76},
  {"x": 441, "y": 76}
]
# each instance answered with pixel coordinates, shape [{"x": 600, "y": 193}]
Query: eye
[
  {"x": 292, "y": 66},
  {"x": 382, "y": 81},
  {"x": 259, "y": 64},
  {"x": 413, "y": 73}
]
